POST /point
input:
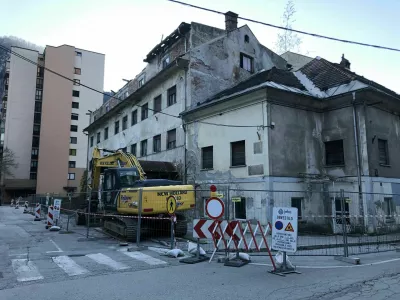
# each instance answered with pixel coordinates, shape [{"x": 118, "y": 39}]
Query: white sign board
[
  {"x": 284, "y": 229},
  {"x": 57, "y": 208}
]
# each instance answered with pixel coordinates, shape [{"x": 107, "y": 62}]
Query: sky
[{"x": 126, "y": 30}]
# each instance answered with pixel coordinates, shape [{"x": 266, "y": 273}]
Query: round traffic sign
[
  {"x": 171, "y": 205},
  {"x": 215, "y": 208}
]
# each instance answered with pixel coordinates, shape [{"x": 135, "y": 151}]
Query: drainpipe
[
  {"x": 358, "y": 158},
  {"x": 185, "y": 134}
]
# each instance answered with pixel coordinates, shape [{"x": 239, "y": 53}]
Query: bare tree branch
[
  {"x": 288, "y": 40},
  {"x": 8, "y": 163}
]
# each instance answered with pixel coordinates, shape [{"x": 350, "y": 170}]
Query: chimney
[
  {"x": 230, "y": 21},
  {"x": 345, "y": 62}
]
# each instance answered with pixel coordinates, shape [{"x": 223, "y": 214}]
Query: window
[
  {"x": 134, "y": 117},
  {"x": 33, "y": 176},
  {"x": 35, "y": 153},
  {"x": 71, "y": 176},
  {"x": 75, "y": 104},
  {"x": 143, "y": 148},
  {"x": 98, "y": 138},
  {"x": 383, "y": 152},
  {"x": 39, "y": 83},
  {"x": 106, "y": 133},
  {"x": 246, "y": 38},
  {"x": 145, "y": 111},
  {"x": 388, "y": 207},
  {"x": 171, "y": 95},
  {"x": 77, "y": 71},
  {"x": 74, "y": 128},
  {"x": 157, "y": 143},
  {"x": 37, "y": 117},
  {"x": 40, "y": 72},
  {"x": 133, "y": 149},
  {"x": 141, "y": 82},
  {"x": 38, "y": 106},
  {"x": 35, "y": 141},
  {"x": 72, "y": 152},
  {"x": 77, "y": 82},
  {"x": 77, "y": 53},
  {"x": 39, "y": 95},
  {"x": 171, "y": 139},
  {"x": 73, "y": 140},
  {"x": 207, "y": 157},
  {"x": 91, "y": 141},
  {"x": 74, "y": 116},
  {"x": 240, "y": 208},
  {"x": 334, "y": 154},
  {"x": 72, "y": 164},
  {"x": 246, "y": 62},
  {"x": 157, "y": 104},
  {"x": 34, "y": 163},
  {"x": 124, "y": 122},
  {"x": 116, "y": 127},
  {"x": 297, "y": 202},
  {"x": 75, "y": 93},
  {"x": 238, "y": 154},
  {"x": 165, "y": 62}
]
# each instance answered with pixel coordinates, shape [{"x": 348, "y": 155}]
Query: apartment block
[{"x": 44, "y": 114}]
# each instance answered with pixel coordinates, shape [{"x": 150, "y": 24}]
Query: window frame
[
  {"x": 134, "y": 117},
  {"x": 331, "y": 161},
  {"x": 299, "y": 210},
  {"x": 91, "y": 141},
  {"x": 98, "y": 137},
  {"x": 71, "y": 164},
  {"x": 235, "y": 164},
  {"x": 124, "y": 122},
  {"x": 71, "y": 151},
  {"x": 157, "y": 142},
  {"x": 116, "y": 127},
  {"x": 105, "y": 133},
  {"x": 71, "y": 176},
  {"x": 205, "y": 166},
  {"x": 157, "y": 100},
  {"x": 71, "y": 139},
  {"x": 75, "y": 93},
  {"x": 74, "y": 116},
  {"x": 74, "y": 103},
  {"x": 78, "y": 71},
  {"x": 133, "y": 149},
  {"x": 171, "y": 96},
  {"x": 385, "y": 149},
  {"x": 73, "y": 128},
  {"x": 171, "y": 144},
  {"x": 144, "y": 111},
  {"x": 143, "y": 150}
]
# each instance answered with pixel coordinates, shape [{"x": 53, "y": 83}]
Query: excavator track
[{"x": 125, "y": 228}]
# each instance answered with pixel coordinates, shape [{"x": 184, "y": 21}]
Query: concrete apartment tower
[{"x": 43, "y": 117}]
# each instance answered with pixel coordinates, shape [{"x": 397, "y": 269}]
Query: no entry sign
[{"x": 215, "y": 208}]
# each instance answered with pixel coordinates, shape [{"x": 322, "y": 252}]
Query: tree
[
  {"x": 8, "y": 163},
  {"x": 83, "y": 182},
  {"x": 288, "y": 40}
]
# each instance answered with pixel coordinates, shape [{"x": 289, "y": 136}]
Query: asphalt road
[{"x": 37, "y": 263}]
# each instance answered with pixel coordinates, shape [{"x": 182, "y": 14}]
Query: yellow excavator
[{"x": 115, "y": 182}]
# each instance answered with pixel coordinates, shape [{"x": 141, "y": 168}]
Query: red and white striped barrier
[
  {"x": 50, "y": 217},
  {"x": 26, "y": 207},
  {"x": 37, "y": 212},
  {"x": 12, "y": 203}
]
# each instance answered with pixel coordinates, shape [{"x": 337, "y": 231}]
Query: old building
[
  {"x": 191, "y": 64},
  {"x": 44, "y": 114},
  {"x": 297, "y": 138}
]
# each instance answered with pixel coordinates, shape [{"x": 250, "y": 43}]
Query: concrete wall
[
  {"x": 56, "y": 120},
  {"x": 215, "y": 65},
  {"x": 155, "y": 124},
  {"x": 20, "y": 110}
]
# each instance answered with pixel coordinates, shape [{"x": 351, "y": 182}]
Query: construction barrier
[
  {"x": 17, "y": 204},
  {"x": 26, "y": 207},
  {"x": 37, "y": 212},
  {"x": 50, "y": 217},
  {"x": 12, "y": 203}
]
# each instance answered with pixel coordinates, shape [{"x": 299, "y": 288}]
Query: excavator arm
[{"x": 115, "y": 159}]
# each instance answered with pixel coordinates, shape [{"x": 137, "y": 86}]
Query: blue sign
[{"x": 278, "y": 225}]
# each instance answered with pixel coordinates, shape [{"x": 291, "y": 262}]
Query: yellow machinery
[{"x": 115, "y": 183}]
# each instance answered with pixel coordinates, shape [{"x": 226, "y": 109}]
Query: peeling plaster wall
[
  {"x": 215, "y": 65},
  {"x": 148, "y": 128}
]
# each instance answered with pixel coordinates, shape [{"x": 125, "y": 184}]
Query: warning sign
[
  {"x": 287, "y": 218},
  {"x": 289, "y": 227}
]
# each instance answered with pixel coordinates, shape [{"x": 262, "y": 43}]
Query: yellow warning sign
[
  {"x": 289, "y": 227},
  {"x": 171, "y": 205}
]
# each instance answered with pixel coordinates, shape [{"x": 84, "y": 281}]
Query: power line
[
  {"x": 289, "y": 29},
  {"x": 97, "y": 91}
]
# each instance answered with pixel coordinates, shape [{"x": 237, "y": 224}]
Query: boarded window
[
  {"x": 383, "y": 152},
  {"x": 207, "y": 157},
  {"x": 334, "y": 153},
  {"x": 238, "y": 153}
]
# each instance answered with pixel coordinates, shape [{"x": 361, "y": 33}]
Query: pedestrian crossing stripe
[{"x": 289, "y": 227}]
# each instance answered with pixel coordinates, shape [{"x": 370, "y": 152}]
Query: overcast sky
[{"x": 126, "y": 30}]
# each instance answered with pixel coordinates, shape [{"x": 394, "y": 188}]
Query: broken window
[
  {"x": 157, "y": 143},
  {"x": 383, "y": 152},
  {"x": 246, "y": 62},
  {"x": 171, "y": 94},
  {"x": 238, "y": 153},
  {"x": 334, "y": 153},
  {"x": 207, "y": 157}
]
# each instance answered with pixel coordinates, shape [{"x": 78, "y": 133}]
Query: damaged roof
[
  {"x": 182, "y": 29},
  {"x": 325, "y": 75},
  {"x": 275, "y": 75}
]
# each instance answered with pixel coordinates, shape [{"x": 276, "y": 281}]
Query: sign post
[
  {"x": 284, "y": 235},
  {"x": 171, "y": 208}
]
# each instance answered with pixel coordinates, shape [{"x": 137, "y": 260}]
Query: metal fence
[{"x": 330, "y": 223}]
